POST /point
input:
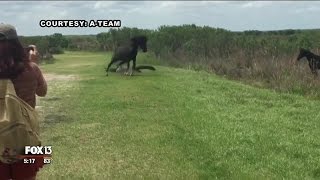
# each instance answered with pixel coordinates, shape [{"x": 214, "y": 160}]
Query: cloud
[
  {"x": 168, "y": 4},
  {"x": 257, "y": 4},
  {"x": 104, "y": 4},
  {"x": 308, "y": 10}
]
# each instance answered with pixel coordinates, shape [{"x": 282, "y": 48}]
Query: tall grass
[{"x": 282, "y": 74}]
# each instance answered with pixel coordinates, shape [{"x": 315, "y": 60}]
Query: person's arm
[{"x": 42, "y": 84}]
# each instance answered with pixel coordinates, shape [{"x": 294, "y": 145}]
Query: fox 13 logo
[{"x": 35, "y": 153}]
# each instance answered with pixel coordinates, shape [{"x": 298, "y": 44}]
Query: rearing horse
[
  {"x": 128, "y": 53},
  {"x": 313, "y": 59}
]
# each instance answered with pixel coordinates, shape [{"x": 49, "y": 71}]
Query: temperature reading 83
[{"x": 47, "y": 161}]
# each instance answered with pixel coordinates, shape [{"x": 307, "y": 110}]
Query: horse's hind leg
[
  {"x": 128, "y": 67},
  {"x": 109, "y": 65}
]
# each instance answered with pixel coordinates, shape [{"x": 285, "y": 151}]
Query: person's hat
[
  {"x": 7, "y": 32},
  {"x": 31, "y": 45}
]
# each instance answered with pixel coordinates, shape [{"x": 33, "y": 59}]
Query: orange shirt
[{"x": 30, "y": 83}]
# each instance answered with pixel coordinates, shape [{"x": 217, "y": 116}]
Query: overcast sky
[{"x": 231, "y": 15}]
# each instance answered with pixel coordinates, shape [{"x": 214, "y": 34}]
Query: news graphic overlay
[
  {"x": 34, "y": 153},
  {"x": 80, "y": 23}
]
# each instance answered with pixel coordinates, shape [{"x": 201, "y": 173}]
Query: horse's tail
[{"x": 146, "y": 67}]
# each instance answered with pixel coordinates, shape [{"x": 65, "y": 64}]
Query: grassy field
[{"x": 172, "y": 124}]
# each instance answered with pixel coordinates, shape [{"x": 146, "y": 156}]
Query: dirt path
[
  {"x": 55, "y": 77},
  {"x": 48, "y": 113}
]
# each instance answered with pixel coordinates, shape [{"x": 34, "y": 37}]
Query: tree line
[{"x": 186, "y": 41}]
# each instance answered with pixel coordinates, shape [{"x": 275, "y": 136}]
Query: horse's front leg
[
  {"x": 313, "y": 68},
  {"x": 317, "y": 67},
  {"x": 132, "y": 68}
]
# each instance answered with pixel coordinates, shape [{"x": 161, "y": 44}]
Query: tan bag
[{"x": 19, "y": 124}]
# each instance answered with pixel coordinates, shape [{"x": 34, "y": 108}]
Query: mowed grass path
[{"x": 173, "y": 124}]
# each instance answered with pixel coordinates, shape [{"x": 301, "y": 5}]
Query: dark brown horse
[
  {"x": 313, "y": 59},
  {"x": 126, "y": 53}
]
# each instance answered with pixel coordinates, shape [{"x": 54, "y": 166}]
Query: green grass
[{"x": 173, "y": 124}]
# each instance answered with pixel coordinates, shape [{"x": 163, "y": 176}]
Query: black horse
[
  {"x": 313, "y": 59},
  {"x": 125, "y": 54}
]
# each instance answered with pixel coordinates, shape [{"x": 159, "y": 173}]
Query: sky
[{"x": 230, "y": 15}]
